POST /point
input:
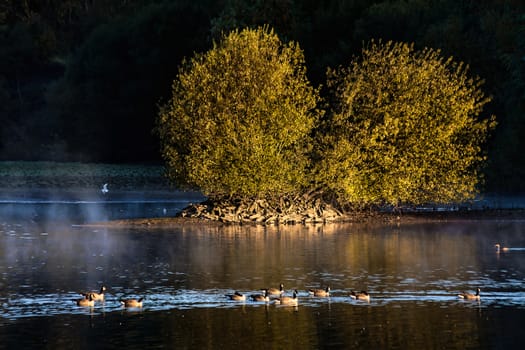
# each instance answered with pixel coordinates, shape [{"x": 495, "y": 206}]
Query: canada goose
[
  {"x": 275, "y": 291},
  {"x": 500, "y": 249},
  {"x": 362, "y": 295},
  {"x": 285, "y": 300},
  {"x": 94, "y": 295},
  {"x": 236, "y": 296},
  {"x": 470, "y": 296},
  {"x": 261, "y": 297},
  {"x": 320, "y": 292},
  {"x": 131, "y": 302},
  {"x": 87, "y": 301}
]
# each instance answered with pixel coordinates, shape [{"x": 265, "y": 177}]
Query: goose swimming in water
[
  {"x": 261, "y": 297},
  {"x": 275, "y": 291},
  {"x": 286, "y": 300},
  {"x": 320, "y": 292},
  {"x": 362, "y": 295},
  {"x": 131, "y": 302},
  {"x": 470, "y": 296},
  {"x": 236, "y": 296},
  {"x": 94, "y": 295},
  {"x": 88, "y": 301},
  {"x": 500, "y": 249}
]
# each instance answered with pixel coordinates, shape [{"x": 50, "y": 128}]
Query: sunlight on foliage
[
  {"x": 240, "y": 118},
  {"x": 404, "y": 128}
]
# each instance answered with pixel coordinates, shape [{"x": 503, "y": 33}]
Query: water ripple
[{"x": 20, "y": 306}]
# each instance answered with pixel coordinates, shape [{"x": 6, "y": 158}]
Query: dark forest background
[{"x": 80, "y": 80}]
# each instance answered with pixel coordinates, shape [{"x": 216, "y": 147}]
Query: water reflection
[
  {"x": 198, "y": 265},
  {"x": 412, "y": 271}
]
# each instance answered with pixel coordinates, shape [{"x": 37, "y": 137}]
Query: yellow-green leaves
[
  {"x": 404, "y": 128},
  {"x": 240, "y": 117}
]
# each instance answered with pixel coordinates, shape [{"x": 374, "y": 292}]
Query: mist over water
[
  {"x": 412, "y": 271},
  {"x": 86, "y": 206}
]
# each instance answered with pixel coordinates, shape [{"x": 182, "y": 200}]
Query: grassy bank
[{"x": 34, "y": 175}]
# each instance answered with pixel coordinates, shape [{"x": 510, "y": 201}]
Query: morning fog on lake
[{"x": 412, "y": 271}]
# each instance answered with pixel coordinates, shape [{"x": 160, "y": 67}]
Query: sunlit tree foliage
[
  {"x": 240, "y": 117},
  {"x": 404, "y": 128},
  {"x": 130, "y": 51}
]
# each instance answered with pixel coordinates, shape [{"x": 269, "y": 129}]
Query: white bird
[{"x": 104, "y": 189}]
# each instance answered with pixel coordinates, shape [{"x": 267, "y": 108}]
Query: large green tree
[
  {"x": 404, "y": 128},
  {"x": 239, "y": 121}
]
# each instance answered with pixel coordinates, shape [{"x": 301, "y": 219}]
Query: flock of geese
[
  {"x": 276, "y": 295},
  {"x": 90, "y": 298},
  {"x": 279, "y": 297},
  {"x": 270, "y": 294}
]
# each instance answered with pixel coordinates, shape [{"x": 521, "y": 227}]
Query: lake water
[{"x": 412, "y": 271}]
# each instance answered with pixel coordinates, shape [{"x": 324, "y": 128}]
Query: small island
[{"x": 397, "y": 128}]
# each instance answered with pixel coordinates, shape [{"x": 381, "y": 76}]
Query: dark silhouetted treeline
[{"x": 81, "y": 79}]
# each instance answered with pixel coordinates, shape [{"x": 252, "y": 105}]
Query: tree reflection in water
[{"x": 413, "y": 272}]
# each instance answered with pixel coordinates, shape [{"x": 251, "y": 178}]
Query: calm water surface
[{"x": 412, "y": 271}]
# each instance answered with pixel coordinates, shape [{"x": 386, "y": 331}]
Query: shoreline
[{"x": 357, "y": 218}]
